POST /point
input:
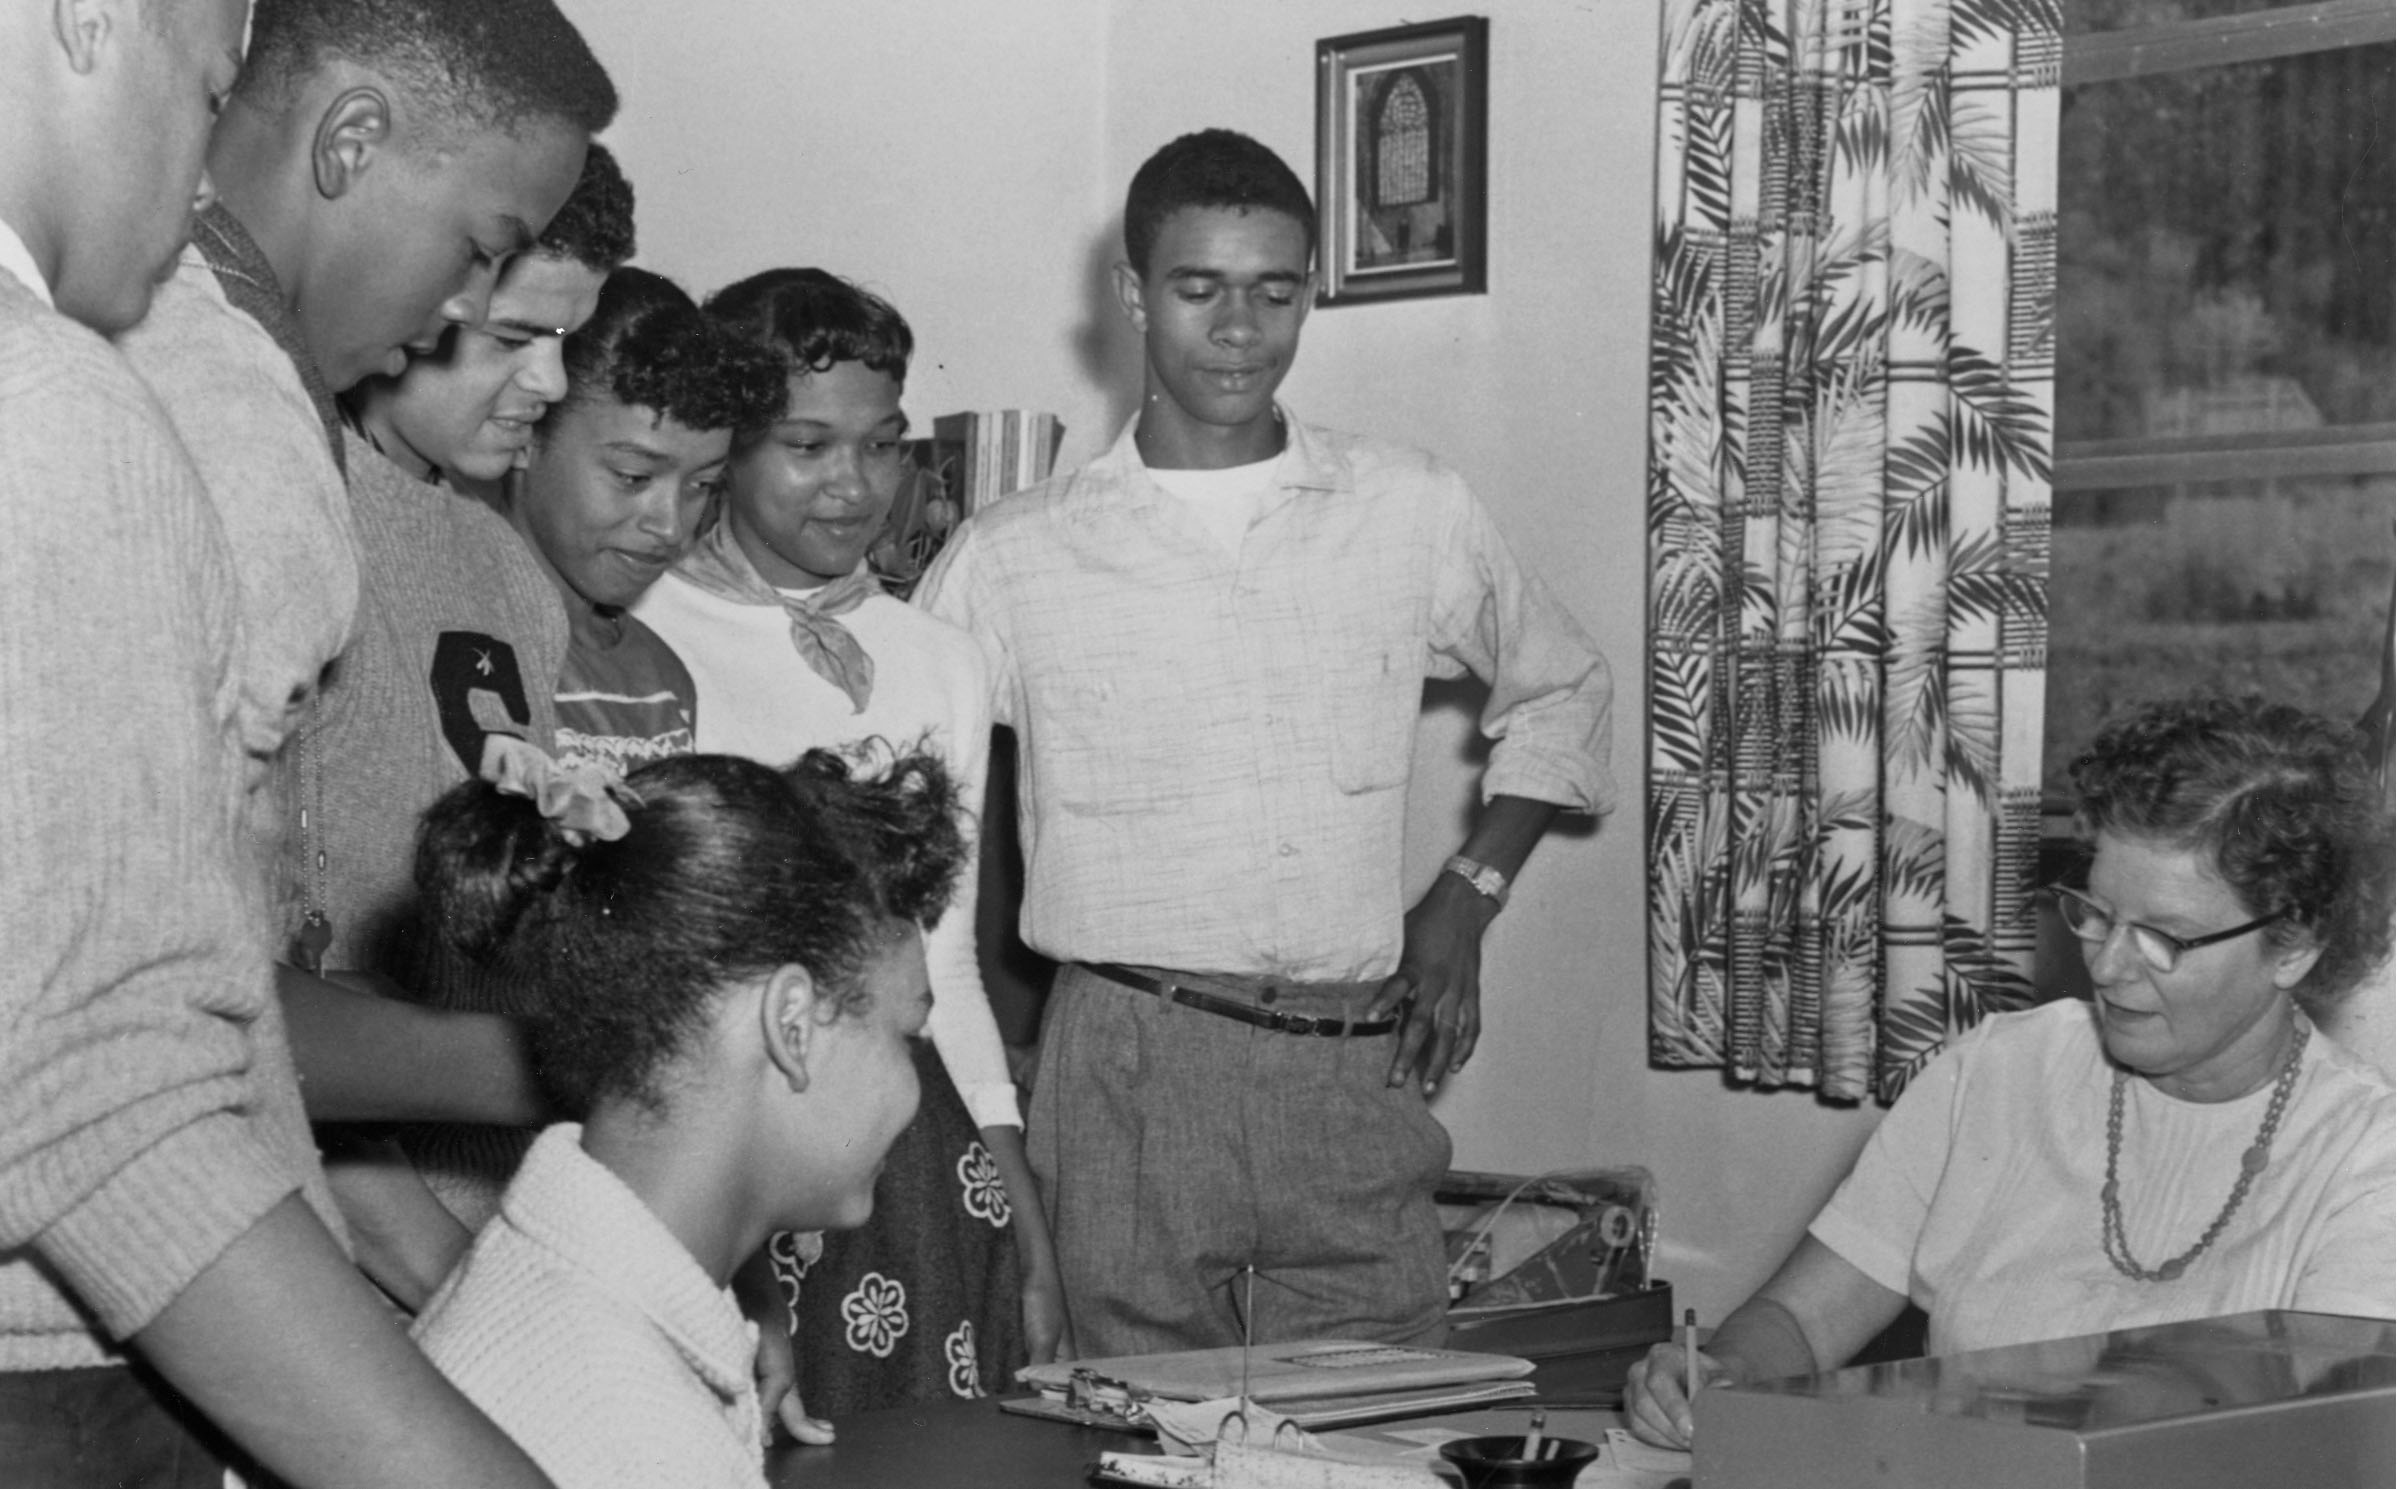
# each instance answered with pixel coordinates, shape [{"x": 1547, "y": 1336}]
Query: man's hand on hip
[{"x": 1436, "y": 990}]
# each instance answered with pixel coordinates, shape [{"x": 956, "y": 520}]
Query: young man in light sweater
[
  {"x": 377, "y": 166},
  {"x": 153, "y": 1156}
]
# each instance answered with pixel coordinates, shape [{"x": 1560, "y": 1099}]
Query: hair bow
[{"x": 581, "y": 796}]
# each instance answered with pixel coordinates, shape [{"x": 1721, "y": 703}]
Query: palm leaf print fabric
[{"x": 1850, "y": 386}]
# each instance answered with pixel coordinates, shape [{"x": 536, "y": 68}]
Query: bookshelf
[{"x": 970, "y": 461}]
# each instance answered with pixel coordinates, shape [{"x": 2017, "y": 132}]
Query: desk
[
  {"x": 2272, "y": 1397},
  {"x": 943, "y": 1443},
  {"x": 974, "y": 1445}
]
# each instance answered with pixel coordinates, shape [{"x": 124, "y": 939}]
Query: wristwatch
[{"x": 1485, "y": 880}]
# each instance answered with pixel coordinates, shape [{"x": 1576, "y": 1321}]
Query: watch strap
[{"x": 1485, "y": 880}]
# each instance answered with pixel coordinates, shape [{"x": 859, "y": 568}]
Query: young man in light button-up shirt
[{"x": 1212, "y": 643}]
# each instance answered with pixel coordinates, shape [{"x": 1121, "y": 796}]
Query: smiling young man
[
  {"x": 159, "y": 1199},
  {"x": 793, "y": 644},
  {"x": 460, "y": 632},
  {"x": 1212, "y": 643},
  {"x": 463, "y": 413}
]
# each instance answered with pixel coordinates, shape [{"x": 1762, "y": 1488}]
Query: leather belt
[{"x": 1235, "y": 1010}]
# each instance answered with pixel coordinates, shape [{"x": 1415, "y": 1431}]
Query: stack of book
[
  {"x": 970, "y": 461},
  {"x": 1001, "y": 451}
]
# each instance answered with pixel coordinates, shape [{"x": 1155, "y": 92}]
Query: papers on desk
[
  {"x": 1640, "y": 1463},
  {"x": 1221, "y": 1445},
  {"x": 1315, "y": 1383}
]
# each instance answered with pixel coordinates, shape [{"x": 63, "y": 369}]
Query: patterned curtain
[{"x": 1850, "y": 383}]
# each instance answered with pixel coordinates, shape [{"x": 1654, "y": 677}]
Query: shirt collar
[
  {"x": 567, "y": 1202},
  {"x": 17, "y": 260},
  {"x": 1305, "y": 464},
  {"x": 247, "y": 278}
]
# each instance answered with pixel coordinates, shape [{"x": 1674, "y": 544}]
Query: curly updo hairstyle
[
  {"x": 2281, "y": 801},
  {"x": 647, "y": 345},
  {"x": 730, "y": 870},
  {"x": 813, "y": 318}
]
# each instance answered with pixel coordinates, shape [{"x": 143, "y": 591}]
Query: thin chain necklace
[{"x": 2118, "y": 1246}]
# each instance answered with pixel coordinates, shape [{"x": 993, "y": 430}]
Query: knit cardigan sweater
[
  {"x": 148, "y": 1116},
  {"x": 587, "y": 1331},
  {"x": 241, "y": 402}
]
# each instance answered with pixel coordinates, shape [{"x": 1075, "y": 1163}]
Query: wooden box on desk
[{"x": 2251, "y": 1398}]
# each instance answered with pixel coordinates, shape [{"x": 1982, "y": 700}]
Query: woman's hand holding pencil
[{"x": 1658, "y": 1391}]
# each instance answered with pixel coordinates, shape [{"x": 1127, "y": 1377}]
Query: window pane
[
  {"x": 2224, "y": 257},
  {"x": 2279, "y": 588},
  {"x": 2224, "y": 267}
]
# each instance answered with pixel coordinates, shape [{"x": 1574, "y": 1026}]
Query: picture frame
[{"x": 1402, "y": 162}]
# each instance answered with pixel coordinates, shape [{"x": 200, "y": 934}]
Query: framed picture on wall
[{"x": 1401, "y": 161}]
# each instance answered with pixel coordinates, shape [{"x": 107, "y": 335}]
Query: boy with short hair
[
  {"x": 378, "y": 164},
  {"x": 1212, "y": 643},
  {"x": 461, "y": 634},
  {"x": 460, "y": 637},
  {"x": 463, "y": 414}
]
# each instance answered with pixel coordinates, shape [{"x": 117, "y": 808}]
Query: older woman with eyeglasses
[{"x": 2182, "y": 1145}]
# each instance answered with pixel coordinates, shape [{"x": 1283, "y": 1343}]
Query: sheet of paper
[{"x": 1625, "y": 1462}]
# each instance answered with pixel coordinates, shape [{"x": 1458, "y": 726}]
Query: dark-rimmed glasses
[{"x": 2162, "y": 950}]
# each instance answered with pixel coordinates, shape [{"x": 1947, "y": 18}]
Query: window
[{"x": 2226, "y": 391}]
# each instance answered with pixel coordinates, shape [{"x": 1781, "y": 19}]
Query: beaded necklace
[{"x": 2118, "y": 1246}]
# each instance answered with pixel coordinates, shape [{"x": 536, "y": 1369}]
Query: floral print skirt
[{"x": 922, "y": 1303}]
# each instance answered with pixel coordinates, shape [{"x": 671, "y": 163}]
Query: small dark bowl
[{"x": 1493, "y": 1462}]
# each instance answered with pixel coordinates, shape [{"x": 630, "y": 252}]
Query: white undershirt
[{"x": 1226, "y": 500}]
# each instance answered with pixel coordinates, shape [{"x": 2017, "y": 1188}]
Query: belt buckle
[{"x": 1304, "y": 1023}]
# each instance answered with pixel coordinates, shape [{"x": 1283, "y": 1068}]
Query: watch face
[{"x": 1481, "y": 876}]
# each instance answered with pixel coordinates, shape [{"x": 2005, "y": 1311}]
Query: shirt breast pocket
[
  {"x": 1373, "y": 703},
  {"x": 1371, "y": 661}
]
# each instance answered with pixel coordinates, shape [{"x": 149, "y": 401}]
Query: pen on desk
[
  {"x": 1689, "y": 1353},
  {"x": 1531, "y": 1439}
]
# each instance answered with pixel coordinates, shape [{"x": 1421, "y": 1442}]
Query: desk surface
[
  {"x": 960, "y": 1443},
  {"x": 974, "y": 1445}
]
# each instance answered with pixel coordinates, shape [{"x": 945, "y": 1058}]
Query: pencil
[{"x": 1689, "y": 1353}]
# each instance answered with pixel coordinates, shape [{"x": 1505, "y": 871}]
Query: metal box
[{"x": 2269, "y": 1398}]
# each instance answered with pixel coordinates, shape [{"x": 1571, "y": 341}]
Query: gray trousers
[{"x": 1176, "y": 1148}]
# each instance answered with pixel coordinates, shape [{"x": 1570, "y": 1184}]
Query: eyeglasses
[{"x": 2162, "y": 950}]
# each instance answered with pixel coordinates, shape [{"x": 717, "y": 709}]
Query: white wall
[
  {"x": 945, "y": 152},
  {"x": 969, "y": 159}
]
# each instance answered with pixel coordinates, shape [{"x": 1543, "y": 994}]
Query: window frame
[
  {"x": 2184, "y": 46},
  {"x": 2086, "y": 467}
]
